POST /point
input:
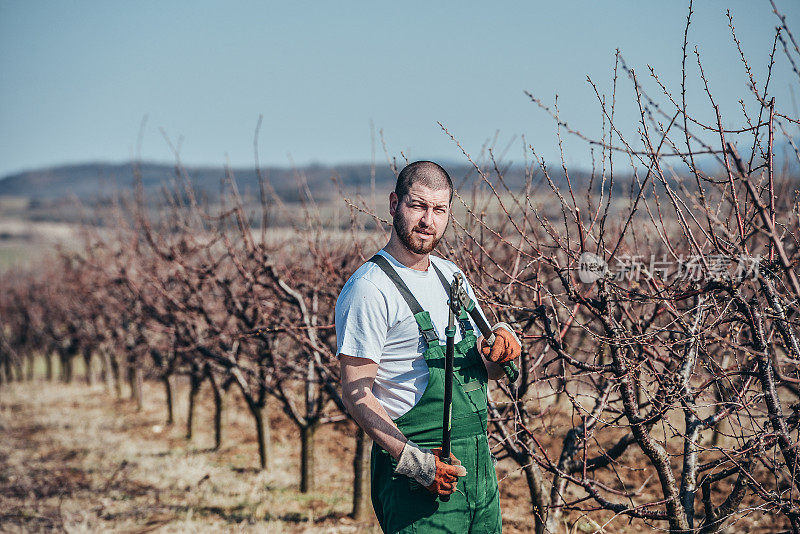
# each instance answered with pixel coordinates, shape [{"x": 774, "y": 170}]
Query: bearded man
[{"x": 390, "y": 324}]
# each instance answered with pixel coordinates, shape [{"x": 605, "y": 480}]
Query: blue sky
[{"x": 77, "y": 77}]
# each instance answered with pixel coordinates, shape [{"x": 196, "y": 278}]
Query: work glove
[
  {"x": 425, "y": 466},
  {"x": 446, "y": 474},
  {"x": 506, "y": 346}
]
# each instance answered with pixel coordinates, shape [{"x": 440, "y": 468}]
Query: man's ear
[{"x": 393, "y": 201}]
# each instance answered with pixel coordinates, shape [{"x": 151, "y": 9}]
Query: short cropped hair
[{"x": 426, "y": 173}]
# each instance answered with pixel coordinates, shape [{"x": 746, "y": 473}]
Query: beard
[{"x": 411, "y": 241}]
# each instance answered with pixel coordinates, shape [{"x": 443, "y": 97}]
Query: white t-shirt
[{"x": 374, "y": 321}]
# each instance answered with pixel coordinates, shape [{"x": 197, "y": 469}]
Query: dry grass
[
  {"x": 73, "y": 458},
  {"x": 24, "y": 242}
]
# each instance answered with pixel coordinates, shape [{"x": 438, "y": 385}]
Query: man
[{"x": 390, "y": 324}]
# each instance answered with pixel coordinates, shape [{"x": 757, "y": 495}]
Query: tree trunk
[
  {"x": 104, "y": 370},
  {"x": 307, "y": 457},
  {"x": 29, "y": 360},
  {"x": 66, "y": 369},
  {"x": 20, "y": 375},
  {"x": 131, "y": 380},
  {"x": 217, "y": 412},
  {"x": 539, "y": 499},
  {"x": 168, "y": 391},
  {"x": 87, "y": 360},
  {"x": 561, "y": 383},
  {"x": 108, "y": 378},
  {"x": 361, "y": 460},
  {"x": 263, "y": 434},
  {"x": 117, "y": 378},
  {"x": 136, "y": 378},
  {"x": 717, "y": 439},
  {"x": 139, "y": 376},
  {"x": 795, "y": 522},
  {"x": 48, "y": 365},
  {"x": 194, "y": 387}
]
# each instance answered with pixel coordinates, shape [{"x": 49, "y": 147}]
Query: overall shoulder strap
[
  {"x": 387, "y": 268},
  {"x": 442, "y": 278},
  {"x": 421, "y": 316}
]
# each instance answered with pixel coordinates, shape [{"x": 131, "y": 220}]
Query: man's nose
[{"x": 427, "y": 217}]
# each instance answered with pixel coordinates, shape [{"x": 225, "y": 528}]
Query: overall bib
[{"x": 401, "y": 503}]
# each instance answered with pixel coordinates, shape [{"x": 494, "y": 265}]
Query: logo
[{"x": 591, "y": 268}]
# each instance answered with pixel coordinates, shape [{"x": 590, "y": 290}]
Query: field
[
  {"x": 74, "y": 458},
  {"x": 661, "y": 395},
  {"x": 24, "y": 240}
]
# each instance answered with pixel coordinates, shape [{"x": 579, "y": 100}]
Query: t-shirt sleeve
[{"x": 361, "y": 320}]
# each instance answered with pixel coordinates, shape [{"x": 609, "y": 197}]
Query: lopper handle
[
  {"x": 445, "y": 498},
  {"x": 447, "y": 419}
]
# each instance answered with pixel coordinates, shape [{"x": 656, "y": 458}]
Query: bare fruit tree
[{"x": 658, "y": 309}]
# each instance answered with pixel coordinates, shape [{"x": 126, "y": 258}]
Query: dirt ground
[{"x": 73, "y": 458}]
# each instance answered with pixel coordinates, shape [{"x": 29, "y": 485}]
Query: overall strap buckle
[{"x": 430, "y": 335}]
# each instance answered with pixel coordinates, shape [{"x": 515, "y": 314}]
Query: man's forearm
[{"x": 372, "y": 417}]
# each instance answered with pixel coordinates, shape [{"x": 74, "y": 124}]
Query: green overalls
[{"x": 401, "y": 503}]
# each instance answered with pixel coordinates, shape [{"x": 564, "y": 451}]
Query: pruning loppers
[{"x": 459, "y": 300}]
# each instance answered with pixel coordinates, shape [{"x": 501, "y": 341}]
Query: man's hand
[
  {"x": 426, "y": 467},
  {"x": 506, "y": 346},
  {"x": 446, "y": 474}
]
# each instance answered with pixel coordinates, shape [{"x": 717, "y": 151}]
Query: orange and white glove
[
  {"x": 446, "y": 474},
  {"x": 426, "y": 467},
  {"x": 506, "y": 346}
]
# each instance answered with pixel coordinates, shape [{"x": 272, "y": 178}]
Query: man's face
[{"x": 420, "y": 217}]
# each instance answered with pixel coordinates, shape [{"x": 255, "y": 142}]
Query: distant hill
[{"x": 97, "y": 182}]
